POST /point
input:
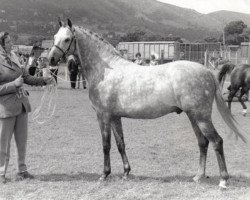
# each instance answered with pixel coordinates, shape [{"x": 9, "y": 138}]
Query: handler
[{"x": 14, "y": 107}]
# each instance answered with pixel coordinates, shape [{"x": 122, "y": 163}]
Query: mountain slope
[
  {"x": 226, "y": 16},
  {"x": 39, "y": 17}
]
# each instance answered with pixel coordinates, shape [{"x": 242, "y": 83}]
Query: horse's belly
[
  {"x": 148, "y": 112},
  {"x": 146, "y": 107}
]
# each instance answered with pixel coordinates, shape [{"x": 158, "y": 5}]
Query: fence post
[
  {"x": 162, "y": 56},
  {"x": 205, "y": 58},
  {"x": 236, "y": 60}
]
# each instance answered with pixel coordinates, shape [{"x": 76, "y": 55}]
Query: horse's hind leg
[
  {"x": 243, "y": 91},
  {"x": 208, "y": 130},
  {"x": 104, "y": 123},
  {"x": 116, "y": 126},
  {"x": 203, "y": 146},
  {"x": 231, "y": 95}
]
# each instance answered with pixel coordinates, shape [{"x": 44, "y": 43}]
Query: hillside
[
  {"x": 226, "y": 16},
  {"x": 39, "y": 17}
]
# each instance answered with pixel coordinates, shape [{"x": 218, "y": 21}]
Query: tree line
[{"x": 233, "y": 33}]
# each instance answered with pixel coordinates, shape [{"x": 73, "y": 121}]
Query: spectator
[
  {"x": 139, "y": 60},
  {"x": 73, "y": 70},
  {"x": 153, "y": 60},
  {"x": 32, "y": 64}
]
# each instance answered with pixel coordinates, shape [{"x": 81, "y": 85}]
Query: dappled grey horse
[{"x": 119, "y": 88}]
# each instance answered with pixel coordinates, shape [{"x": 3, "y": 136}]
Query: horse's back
[{"x": 240, "y": 76}]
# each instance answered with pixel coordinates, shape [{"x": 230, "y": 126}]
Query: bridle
[{"x": 73, "y": 39}]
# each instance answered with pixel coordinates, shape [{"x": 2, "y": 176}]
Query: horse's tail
[
  {"x": 225, "y": 69},
  {"x": 226, "y": 114}
]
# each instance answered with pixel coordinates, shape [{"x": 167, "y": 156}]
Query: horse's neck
[{"x": 94, "y": 55}]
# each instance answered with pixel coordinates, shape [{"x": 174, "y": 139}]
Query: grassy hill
[{"x": 39, "y": 17}]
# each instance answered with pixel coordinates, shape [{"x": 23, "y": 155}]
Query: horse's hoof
[
  {"x": 197, "y": 178},
  {"x": 125, "y": 177},
  {"x": 244, "y": 112},
  {"x": 222, "y": 184},
  {"x": 103, "y": 178}
]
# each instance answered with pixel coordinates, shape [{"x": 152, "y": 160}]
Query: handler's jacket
[{"x": 12, "y": 99}]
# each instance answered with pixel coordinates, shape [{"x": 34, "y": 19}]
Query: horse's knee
[{"x": 106, "y": 148}]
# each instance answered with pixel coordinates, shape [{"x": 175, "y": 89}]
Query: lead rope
[
  {"x": 50, "y": 95},
  {"x": 46, "y": 109}
]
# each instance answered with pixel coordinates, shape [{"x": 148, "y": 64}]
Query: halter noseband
[{"x": 67, "y": 50}]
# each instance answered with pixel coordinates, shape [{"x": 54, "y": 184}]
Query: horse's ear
[
  {"x": 69, "y": 23},
  {"x": 60, "y": 22}
]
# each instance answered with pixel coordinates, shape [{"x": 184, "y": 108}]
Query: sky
[{"x": 207, "y": 6}]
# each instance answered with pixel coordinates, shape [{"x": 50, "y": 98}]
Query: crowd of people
[
  {"x": 40, "y": 67},
  {"x": 140, "y": 61}
]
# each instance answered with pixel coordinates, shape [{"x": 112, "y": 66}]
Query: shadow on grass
[
  {"x": 68, "y": 177},
  {"x": 234, "y": 181},
  {"x": 113, "y": 177},
  {"x": 174, "y": 178}
]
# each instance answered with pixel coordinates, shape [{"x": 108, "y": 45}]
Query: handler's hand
[
  {"x": 18, "y": 82},
  {"x": 49, "y": 80}
]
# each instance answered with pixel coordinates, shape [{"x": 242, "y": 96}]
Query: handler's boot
[
  {"x": 24, "y": 175},
  {"x": 2, "y": 179}
]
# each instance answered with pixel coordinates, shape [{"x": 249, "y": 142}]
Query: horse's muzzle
[{"x": 52, "y": 61}]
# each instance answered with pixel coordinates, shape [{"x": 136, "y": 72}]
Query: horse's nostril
[{"x": 52, "y": 61}]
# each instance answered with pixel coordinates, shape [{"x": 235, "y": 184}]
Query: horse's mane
[{"x": 106, "y": 46}]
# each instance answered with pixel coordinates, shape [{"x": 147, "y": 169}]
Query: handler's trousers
[
  {"x": 18, "y": 126},
  {"x": 73, "y": 77}
]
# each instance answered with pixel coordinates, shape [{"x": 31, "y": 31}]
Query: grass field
[{"x": 65, "y": 155}]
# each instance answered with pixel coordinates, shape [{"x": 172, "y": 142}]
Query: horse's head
[{"x": 64, "y": 43}]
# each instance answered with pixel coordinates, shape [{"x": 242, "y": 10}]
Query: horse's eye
[{"x": 67, "y": 40}]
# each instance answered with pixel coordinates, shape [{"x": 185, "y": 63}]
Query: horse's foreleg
[
  {"x": 203, "y": 146},
  {"x": 104, "y": 123},
  {"x": 116, "y": 125},
  {"x": 211, "y": 134},
  {"x": 242, "y": 92}
]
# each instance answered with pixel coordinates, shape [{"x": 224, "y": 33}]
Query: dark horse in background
[{"x": 239, "y": 80}]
